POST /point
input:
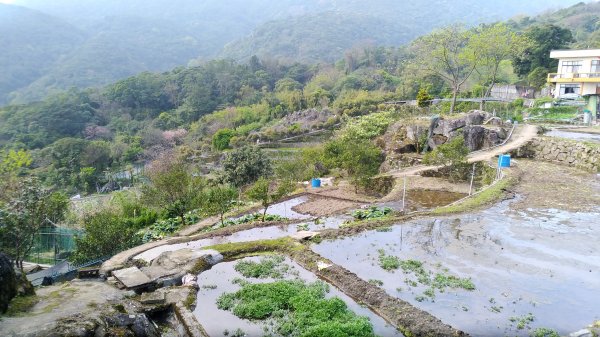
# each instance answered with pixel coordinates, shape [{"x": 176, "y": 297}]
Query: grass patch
[
  {"x": 544, "y": 332},
  {"x": 488, "y": 196},
  {"x": 21, "y": 305},
  {"x": 235, "y": 250},
  {"x": 267, "y": 267},
  {"x": 296, "y": 308}
]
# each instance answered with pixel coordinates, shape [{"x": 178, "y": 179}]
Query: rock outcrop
[
  {"x": 479, "y": 129},
  {"x": 8, "y": 282}
]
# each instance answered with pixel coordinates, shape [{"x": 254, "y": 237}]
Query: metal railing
[{"x": 571, "y": 76}]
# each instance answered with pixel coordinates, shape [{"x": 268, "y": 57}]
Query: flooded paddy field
[
  {"x": 530, "y": 268},
  {"x": 575, "y": 135},
  {"x": 224, "y": 278}
]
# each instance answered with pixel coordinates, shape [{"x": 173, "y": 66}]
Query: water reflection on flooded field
[{"x": 544, "y": 262}]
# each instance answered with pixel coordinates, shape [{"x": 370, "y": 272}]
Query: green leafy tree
[
  {"x": 360, "y": 159},
  {"x": 267, "y": 192},
  {"x": 172, "y": 187},
  {"x": 220, "y": 199},
  {"x": 495, "y": 44},
  {"x": 444, "y": 53},
  {"x": 543, "y": 39},
  {"x": 538, "y": 77},
  {"x": 11, "y": 164},
  {"x": 222, "y": 138},
  {"x": 24, "y": 214},
  {"x": 105, "y": 233},
  {"x": 246, "y": 165}
]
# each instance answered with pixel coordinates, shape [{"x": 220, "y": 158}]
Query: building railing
[{"x": 553, "y": 77}]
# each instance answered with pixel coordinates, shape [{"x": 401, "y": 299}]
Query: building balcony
[{"x": 574, "y": 78}]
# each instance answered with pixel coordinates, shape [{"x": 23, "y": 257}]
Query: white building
[{"x": 578, "y": 76}]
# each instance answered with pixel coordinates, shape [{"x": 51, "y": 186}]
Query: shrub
[
  {"x": 268, "y": 267},
  {"x": 221, "y": 139}
]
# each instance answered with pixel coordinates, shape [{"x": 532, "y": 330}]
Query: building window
[
  {"x": 569, "y": 89},
  {"x": 569, "y": 67},
  {"x": 595, "y": 66}
]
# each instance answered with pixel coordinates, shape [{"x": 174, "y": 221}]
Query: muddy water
[
  {"x": 575, "y": 135},
  {"x": 417, "y": 200},
  {"x": 215, "y": 321},
  {"x": 544, "y": 262},
  {"x": 267, "y": 233}
]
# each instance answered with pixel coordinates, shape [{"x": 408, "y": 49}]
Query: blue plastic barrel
[
  {"x": 316, "y": 183},
  {"x": 504, "y": 160}
]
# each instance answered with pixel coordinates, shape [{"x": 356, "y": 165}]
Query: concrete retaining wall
[{"x": 581, "y": 155}]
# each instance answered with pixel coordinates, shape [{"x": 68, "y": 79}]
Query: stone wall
[{"x": 563, "y": 151}]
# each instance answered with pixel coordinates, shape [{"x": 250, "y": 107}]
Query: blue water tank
[
  {"x": 504, "y": 160},
  {"x": 316, "y": 183}
]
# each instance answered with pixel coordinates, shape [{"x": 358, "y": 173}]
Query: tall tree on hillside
[
  {"x": 444, "y": 53},
  {"x": 544, "y": 38},
  {"x": 495, "y": 44},
  {"x": 172, "y": 187},
  {"x": 24, "y": 214}
]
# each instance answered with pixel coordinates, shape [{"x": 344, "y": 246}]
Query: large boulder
[
  {"x": 446, "y": 127},
  {"x": 8, "y": 282},
  {"x": 436, "y": 141},
  {"x": 474, "y": 137},
  {"x": 476, "y": 117}
]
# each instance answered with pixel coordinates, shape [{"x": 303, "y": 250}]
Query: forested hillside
[
  {"x": 110, "y": 40},
  {"x": 76, "y": 137}
]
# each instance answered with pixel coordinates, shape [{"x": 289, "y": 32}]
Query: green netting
[{"x": 53, "y": 245}]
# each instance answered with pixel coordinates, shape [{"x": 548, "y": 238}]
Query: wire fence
[{"x": 53, "y": 245}]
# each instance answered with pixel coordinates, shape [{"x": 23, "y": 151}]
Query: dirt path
[{"x": 522, "y": 134}]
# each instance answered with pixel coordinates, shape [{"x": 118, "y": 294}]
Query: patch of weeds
[
  {"x": 209, "y": 286},
  {"x": 20, "y": 305},
  {"x": 295, "y": 308},
  {"x": 239, "y": 281},
  {"x": 523, "y": 321},
  {"x": 420, "y": 298},
  {"x": 238, "y": 333},
  {"x": 120, "y": 308},
  {"x": 544, "y": 332},
  {"x": 93, "y": 305},
  {"x": 399, "y": 289},
  {"x": 430, "y": 292},
  {"x": 302, "y": 227},
  {"x": 248, "y": 218},
  {"x": 496, "y": 309},
  {"x": 268, "y": 267},
  {"x": 373, "y": 212},
  {"x": 375, "y": 282},
  {"x": 411, "y": 282},
  {"x": 464, "y": 308},
  {"x": 384, "y": 229},
  {"x": 442, "y": 281},
  {"x": 190, "y": 300},
  {"x": 388, "y": 262}
]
